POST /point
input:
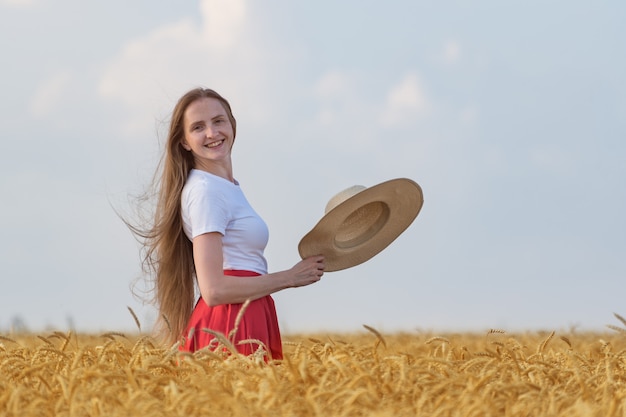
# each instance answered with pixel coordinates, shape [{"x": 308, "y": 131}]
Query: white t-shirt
[{"x": 213, "y": 204}]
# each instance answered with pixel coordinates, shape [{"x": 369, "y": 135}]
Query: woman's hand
[{"x": 307, "y": 271}]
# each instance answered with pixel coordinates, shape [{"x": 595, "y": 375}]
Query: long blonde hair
[{"x": 167, "y": 252}]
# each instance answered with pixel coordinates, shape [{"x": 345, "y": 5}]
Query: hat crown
[{"x": 342, "y": 196}]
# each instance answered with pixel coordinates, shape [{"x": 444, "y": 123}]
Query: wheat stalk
[
  {"x": 543, "y": 344},
  {"x": 437, "y": 339},
  {"x": 566, "y": 340},
  {"x": 8, "y": 339},
  {"x": 222, "y": 340},
  {"x": 620, "y": 318},
  {"x": 616, "y": 328},
  {"x": 381, "y": 339},
  {"x": 132, "y": 313},
  {"x": 242, "y": 311}
]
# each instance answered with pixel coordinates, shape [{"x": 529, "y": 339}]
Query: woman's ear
[{"x": 185, "y": 145}]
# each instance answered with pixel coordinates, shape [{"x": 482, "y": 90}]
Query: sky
[{"x": 510, "y": 115}]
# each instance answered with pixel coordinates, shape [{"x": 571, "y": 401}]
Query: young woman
[{"x": 205, "y": 233}]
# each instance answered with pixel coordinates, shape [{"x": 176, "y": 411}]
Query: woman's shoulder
[
  {"x": 200, "y": 176},
  {"x": 197, "y": 180},
  {"x": 204, "y": 182}
]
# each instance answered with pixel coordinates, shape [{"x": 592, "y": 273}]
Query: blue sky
[{"x": 512, "y": 118}]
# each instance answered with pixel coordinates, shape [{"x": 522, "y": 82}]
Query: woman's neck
[{"x": 223, "y": 169}]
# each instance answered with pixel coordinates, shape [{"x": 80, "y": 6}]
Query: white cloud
[
  {"x": 223, "y": 52},
  {"x": 334, "y": 93},
  {"x": 224, "y": 21},
  {"x": 405, "y": 102},
  {"x": 166, "y": 59},
  {"x": 50, "y": 94},
  {"x": 332, "y": 84}
]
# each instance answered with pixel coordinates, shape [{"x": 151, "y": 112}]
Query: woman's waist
[
  {"x": 241, "y": 273},
  {"x": 245, "y": 262}
]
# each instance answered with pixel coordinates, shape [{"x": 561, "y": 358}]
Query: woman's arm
[{"x": 217, "y": 288}]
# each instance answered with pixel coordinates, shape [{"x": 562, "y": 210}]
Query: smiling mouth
[{"x": 214, "y": 144}]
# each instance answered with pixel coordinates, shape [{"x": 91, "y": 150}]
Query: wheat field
[{"x": 366, "y": 373}]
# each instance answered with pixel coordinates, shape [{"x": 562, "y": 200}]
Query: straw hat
[{"x": 360, "y": 222}]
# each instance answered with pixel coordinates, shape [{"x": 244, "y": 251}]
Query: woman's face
[{"x": 208, "y": 132}]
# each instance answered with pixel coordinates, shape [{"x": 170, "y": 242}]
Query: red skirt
[{"x": 259, "y": 322}]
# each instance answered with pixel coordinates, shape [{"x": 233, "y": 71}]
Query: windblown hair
[{"x": 167, "y": 254}]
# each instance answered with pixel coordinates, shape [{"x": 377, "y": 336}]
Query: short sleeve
[{"x": 204, "y": 210}]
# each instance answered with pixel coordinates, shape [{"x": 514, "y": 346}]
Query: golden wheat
[{"x": 368, "y": 373}]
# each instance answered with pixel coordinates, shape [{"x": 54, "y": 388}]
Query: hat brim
[{"x": 364, "y": 224}]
